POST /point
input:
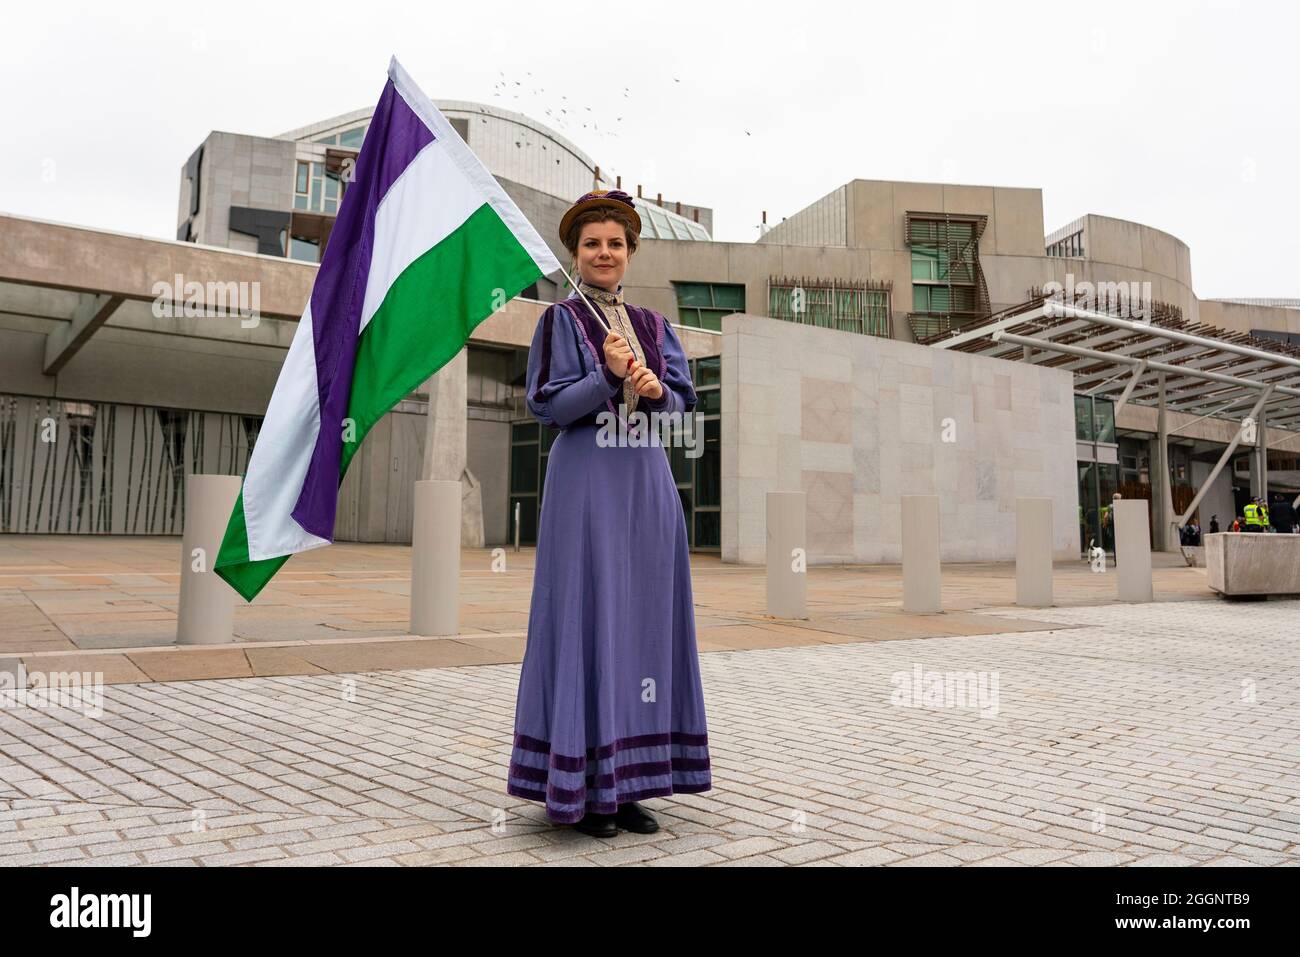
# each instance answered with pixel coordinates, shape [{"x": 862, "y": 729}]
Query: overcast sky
[{"x": 1183, "y": 116}]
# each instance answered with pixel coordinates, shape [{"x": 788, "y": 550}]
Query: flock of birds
[{"x": 566, "y": 116}]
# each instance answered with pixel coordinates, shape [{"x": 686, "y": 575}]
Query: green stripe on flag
[
  {"x": 245, "y": 577},
  {"x": 425, "y": 319},
  {"x": 429, "y": 313}
]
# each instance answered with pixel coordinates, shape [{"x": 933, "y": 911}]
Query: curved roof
[{"x": 345, "y": 121}]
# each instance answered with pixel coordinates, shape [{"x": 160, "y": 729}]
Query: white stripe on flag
[
  {"x": 475, "y": 172},
  {"x": 429, "y": 201},
  {"x": 283, "y": 451}
]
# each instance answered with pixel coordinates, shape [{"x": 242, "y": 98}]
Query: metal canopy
[{"x": 1207, "y": 371}]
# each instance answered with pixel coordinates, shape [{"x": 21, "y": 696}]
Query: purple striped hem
[
  {"x": 601, "y": 807},
  {"x": 571, "y": 763},
  {"x": 626, "y": 772}
]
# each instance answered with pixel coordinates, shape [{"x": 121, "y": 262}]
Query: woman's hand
[
  {"x": 646, "y": 383},
  {"x": 617, "y": 354}
]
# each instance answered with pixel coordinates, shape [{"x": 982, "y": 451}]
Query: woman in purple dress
[{"x": 610, "y": 708}]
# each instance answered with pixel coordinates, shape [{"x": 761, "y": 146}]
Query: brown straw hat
[{"x": 613, "y": 198}]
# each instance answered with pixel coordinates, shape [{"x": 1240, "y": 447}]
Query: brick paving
[{"x": 1131, "y": 735}]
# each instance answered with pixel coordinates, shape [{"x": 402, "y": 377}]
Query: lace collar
[{"x": 604, "y": 296}]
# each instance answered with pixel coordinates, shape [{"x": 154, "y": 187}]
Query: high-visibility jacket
[
  {"x": 1252, "y": 515},
  {"x": 1263, "y": 516}
]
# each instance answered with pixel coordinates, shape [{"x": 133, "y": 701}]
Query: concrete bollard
[
  {"x": 787, "y": 555},
  {"x": 435, "y": 559},
  {"x": 921, "y": 576},
  {"x": 1034, "y": 552},
  {"x": 1133, "y": 549},
  {"x": 206, "y": 611}
]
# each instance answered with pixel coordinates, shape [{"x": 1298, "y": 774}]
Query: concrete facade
[
  {"x": 51, "y": 275},
  {"x": 857, "y": 421}
]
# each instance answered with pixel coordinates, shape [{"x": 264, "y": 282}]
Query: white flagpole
[
  {"x": 601, "y": 319},
  {"x": 594, "y": 311}
]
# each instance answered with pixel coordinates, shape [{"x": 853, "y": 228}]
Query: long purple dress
[{"x": 610, "y": 707}]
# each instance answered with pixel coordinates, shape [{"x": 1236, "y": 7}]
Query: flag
[{"x": 426, "y": 246}]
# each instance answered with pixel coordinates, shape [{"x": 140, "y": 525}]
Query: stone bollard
[
  {"x": 1034, "y": 552},
  {"x": 787, "y": 555},
  {"x": 921, "y": 576},
  {"x": 206, "y": 610},
  {"x": 1133, "y": 549},
  {"x": 435, "y": 559}
]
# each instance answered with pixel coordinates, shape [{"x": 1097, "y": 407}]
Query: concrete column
[
  {"x": 435, "y": 559},
  {"x": 921, "y": 579},
  {"x": 1259, "y": 460},
  {"x": 1132, "y": 550},
  {"x": 206, "y": 613},
  {"x": 787, "y": 555},
  {"x": 446, "y": 454},
  {"x": 1034, "y": 552},
  {"x": 1166, "y": 539}
]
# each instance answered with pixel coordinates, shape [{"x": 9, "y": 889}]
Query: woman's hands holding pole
[{"x": 622, "y": 362}]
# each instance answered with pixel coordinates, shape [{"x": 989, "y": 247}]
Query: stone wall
[{"x": 858, "y": 421}]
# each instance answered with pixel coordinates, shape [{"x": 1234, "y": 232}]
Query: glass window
[
  {"x": 708, "y": 529},
  {"x": 306, "y": 250},
  {"x": 352, "y": 138},
  {"x": 523, "y": 468},
  {"x": 693, "y": 294},
  {"x": 1104, "y": 420},
  {"x": 729, "y": 297},
  {"x": 315, "y": 194},
  {"x": 300, "y": 202},
  {"x": 925, "y": 264},
  {"x": 1083, "y": 418},
  {"x": 707, "y": 476},
  {"x": 304, "y": 174},
  {"x": 708, "y": 371}
]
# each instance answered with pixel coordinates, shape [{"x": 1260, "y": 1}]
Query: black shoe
[
  {"x": 597, "y": 825},
  {"x": 633, "y": 817}
]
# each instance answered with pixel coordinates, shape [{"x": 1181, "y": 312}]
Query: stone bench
[{"x": 1253, "y": 563}]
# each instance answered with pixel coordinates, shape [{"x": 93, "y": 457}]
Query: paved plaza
[{"x": 1087, "y": 734}]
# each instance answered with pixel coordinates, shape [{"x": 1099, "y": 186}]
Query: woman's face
[{"x": 603, "y": 253}]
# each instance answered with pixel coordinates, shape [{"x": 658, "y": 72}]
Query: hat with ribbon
[{"x": 612, "y": 198}]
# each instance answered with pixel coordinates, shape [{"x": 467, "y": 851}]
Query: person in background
[
  {"x": 1283, "y": 514},
  {"x": 1214, "y": 524}
]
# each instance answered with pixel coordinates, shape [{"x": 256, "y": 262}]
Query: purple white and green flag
[{"x": 426, "y": 246}]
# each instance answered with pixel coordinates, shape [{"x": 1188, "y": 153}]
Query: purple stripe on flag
[{"x": 394, "y": 138}]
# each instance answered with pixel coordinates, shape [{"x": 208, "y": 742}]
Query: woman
[{"x": 610, "y": 709}]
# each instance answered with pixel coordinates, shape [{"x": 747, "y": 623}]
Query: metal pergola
[{"x": 1164, "y": 362}]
